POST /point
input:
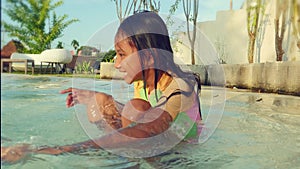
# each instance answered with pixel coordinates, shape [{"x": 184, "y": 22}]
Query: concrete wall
[
  {"x": 275, "y": 77},
  {"x": 108, "y": 71}
]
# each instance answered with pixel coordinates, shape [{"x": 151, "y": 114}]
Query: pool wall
[{"x": 275, "y": 77}]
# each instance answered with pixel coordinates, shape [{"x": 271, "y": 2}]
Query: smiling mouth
[{"x": 123, "y": 74}]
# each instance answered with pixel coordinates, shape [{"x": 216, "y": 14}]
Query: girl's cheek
[
  {"x": 132, "y": 66},
  {"x": 132, "y": 63}
]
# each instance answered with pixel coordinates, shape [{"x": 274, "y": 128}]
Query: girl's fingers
[
  {"x": 69, "y": 100},
  {"x": 75, "y": 101},
  {"x": 77, "y": 96},
  {"x": 72, "y": 104},
  {"x": 69, "y": 90}
]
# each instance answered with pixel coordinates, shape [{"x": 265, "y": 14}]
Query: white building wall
[
  {"x": 232, "y": 33},
  {"x": 228, "y": 35}
]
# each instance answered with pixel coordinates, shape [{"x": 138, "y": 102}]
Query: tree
[
  {"x": 133, "y": 6},
  {"x": 35, "y": 27},
  {"x": 261, "y": 30},
  {"x": 191, "y": 16},
  {"x": 109, "y": 56},
  {"x": 187, "y": 7},
  {"x": 295, "y": 17},
  {"x": 287, "y": 26},
  {"x": 280, "y": 27},
  {"x": 59, "y": 45},
  {"x": 75, "y": 45},
  {"x": 253, "y": 14},
  {"x": 172, "y": 10}
]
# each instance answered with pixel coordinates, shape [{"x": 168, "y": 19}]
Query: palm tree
[
  {"x": 31, "y": 17},
  {"x": 75, "y": 44},
  {"x": 59, "y": 45}
]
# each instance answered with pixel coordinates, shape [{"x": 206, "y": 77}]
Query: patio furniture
[
  {"x": 10, "y": 61},
  {"x": 52, "y": 58}
]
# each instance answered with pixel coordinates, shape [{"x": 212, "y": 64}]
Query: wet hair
[{"x": 149, "y": 34}]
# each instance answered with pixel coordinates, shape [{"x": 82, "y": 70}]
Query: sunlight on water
[{"x": 256, "y": 131}]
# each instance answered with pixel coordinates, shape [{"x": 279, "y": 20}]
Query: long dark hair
[{"x": 149, "y": 34}]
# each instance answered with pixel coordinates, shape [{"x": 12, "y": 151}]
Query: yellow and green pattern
[{"x": 184, "y": 123}]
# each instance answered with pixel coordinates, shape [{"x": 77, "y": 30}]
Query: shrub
[
  {"x": 84, "y": 67},
  {"x": 109, "y": 56}
]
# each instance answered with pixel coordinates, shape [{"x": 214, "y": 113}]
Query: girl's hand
[
  {"x": 15, "y": 153},
  {"x": 99, "y": 105},
  {"x": 79, "y": 96}
]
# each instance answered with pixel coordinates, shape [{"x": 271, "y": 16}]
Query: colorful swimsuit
[{"x": 183, "y": 109}]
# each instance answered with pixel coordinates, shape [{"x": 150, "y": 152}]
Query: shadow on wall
[{"x": 275, "y": 77}]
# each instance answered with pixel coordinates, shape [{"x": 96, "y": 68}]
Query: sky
[{"x": 95, "y": 15}]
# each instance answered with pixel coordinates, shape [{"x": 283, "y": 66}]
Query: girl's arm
[
  {"x": 145, "y": 124},
  {"x": 119, "y": 138},
  {"x": 139, "y": 120}
]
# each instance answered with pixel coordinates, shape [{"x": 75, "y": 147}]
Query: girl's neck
[{"x": 150, "y": 81}]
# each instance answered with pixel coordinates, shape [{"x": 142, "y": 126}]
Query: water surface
[{"x": 256, "y": 130}]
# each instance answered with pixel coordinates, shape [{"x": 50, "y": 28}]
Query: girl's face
[{"x": 128, "y": 61}]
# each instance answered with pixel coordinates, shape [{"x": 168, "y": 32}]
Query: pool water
[{"x": 256, "y": 130}]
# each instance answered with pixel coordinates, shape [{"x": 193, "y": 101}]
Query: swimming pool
[{"x": 256, "y": 130}]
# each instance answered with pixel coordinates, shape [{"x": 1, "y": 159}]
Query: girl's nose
[{"x": 117, "y": 64}]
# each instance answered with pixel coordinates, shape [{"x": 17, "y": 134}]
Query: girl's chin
[{"x": 128, "y": 80}]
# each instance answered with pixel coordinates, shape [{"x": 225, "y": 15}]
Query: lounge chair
[{"x": 49, "y": 57}]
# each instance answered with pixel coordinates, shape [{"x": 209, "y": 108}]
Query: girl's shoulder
[{"x": 177, "y": 84}]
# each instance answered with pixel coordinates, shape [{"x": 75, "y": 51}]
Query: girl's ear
[{"x": 150, "y": 54}]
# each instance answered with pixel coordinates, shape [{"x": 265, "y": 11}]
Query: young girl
[{"x": 166, "y": 103}]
